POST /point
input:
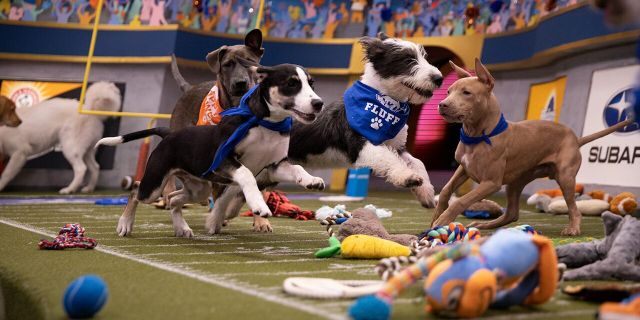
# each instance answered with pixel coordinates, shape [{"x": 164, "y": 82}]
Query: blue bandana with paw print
[{"x": 375, "y": 116}]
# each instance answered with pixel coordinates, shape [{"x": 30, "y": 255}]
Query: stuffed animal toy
[
  {"x": 365, "y": 221},
  {"x": 600, "y": 195},
  {"x": 624, "y": 203},
  {"x": 589, "y": 207},
  {"x": 614, "y": 257},
  {"x": 360, "y": 246},
  {"x": 542, "y": 198},
  {"x": 509, "y": 268},
  {"x": 483, "y": 209}
]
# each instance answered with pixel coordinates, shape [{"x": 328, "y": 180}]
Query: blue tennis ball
[
  {"x": 85, "y": 296},
  {"x": 370, "y": 308}
]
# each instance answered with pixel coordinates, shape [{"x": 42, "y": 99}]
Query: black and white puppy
[
  {"x": 284, "y": 90},
  {"x": 398, "y": 69}
]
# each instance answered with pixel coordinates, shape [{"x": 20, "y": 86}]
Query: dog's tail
[
  {"x": 184, "y": 85},
  {"x": 113, "y": 141},
  {"x": 584, "y": 140}
]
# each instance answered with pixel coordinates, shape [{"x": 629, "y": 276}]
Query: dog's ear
[
  {"x": 382, "y": 36},
  {"x": 484, "y": 75},
  {"x": 214, "y": 58},
  {"x": 462, "y": 73},
  {"x": 262, "y": 72},
  {"x": 253, "y": 40},
  {"x": 372, "y": 46}
]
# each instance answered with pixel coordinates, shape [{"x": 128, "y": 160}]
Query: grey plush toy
[
  {"x": 365, "y": 221},
  {"x": 614, "y": 257}
]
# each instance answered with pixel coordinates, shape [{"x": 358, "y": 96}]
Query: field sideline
[{"x": 238, "y": 274}]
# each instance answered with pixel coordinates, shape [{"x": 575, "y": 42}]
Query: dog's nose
[
  {"x": 437, "y": 79},
  {"x": 317, "y": 104},
  {"x": 443, "y": 105},
  {"x": 240, "y": 85}
]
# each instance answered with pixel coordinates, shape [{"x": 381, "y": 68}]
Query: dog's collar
[
  {"x": 500, "y": 128},
  {"x": 243, "y": 110}
]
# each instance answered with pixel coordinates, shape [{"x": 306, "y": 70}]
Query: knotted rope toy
[
  {"x": 70, "y": 236},
  {"x": 281, "y": 206}
]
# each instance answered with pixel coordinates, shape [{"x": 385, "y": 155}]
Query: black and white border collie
[
  {"x": 399, "y": 70},
  {"x": 283, "y": 91}
]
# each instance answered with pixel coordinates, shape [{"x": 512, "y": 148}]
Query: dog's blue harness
[
  {"x": 243, "y": 110},
  {"x": 500, "y": 128},
  {"x": 375, "y": 116}
]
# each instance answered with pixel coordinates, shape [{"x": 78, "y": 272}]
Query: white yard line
[
  {"x": 248, "y": 262},
  {"x": 216, "y": 244},
  {"x": 196, "y": 275}
]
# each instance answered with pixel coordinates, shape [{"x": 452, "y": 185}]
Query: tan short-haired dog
[
  {"x": 8, "y": 116},
  {"x": 493, "y": 152}
]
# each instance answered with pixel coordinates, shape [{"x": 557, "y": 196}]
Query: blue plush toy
[
  {"x": 85, "y": 296},
  {"x": 509, "y": 268}
]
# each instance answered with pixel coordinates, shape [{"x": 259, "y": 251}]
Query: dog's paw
[
  {"x": 261, "y": 224},
  {"x": 412, "y": 181},
  {"x": 262, "y": 211},
  {"x": 316, "y": 183},
  {"x": 183, "y": 232},
  {"x": 125, "y": 226},
  {"x": 570, "y": 231},
  {"x": 87, "y": 189},
  {"x": 66, "y": 190}
]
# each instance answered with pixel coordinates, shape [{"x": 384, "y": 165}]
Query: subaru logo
[{"x": 618, "y": 109}]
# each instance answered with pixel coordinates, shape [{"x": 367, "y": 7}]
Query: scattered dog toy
[
  {"x": 281, "y": 206},
  {"x": 340, "y": 211},
  {"x": 590, "y": 207},
  {"x": 324, "y": 288},
  {"x": 365, "y": 221},
  {"x": 627, "y": 309},
  {"x": 434, "y": 238},
  {"x": 509, "y": 268},
  {"x": 484, "y": 209},
  {"x": 85, "y": 296},
  {"x": 623, "y": 204},
  {"x": 70, "y": 236},
  {"x": 112, "y": 201},
  {"x": 616, "y": 256},
  {"x": 380, "y": 212},
  {"x": 452, "y": 233},
  {"x": 602, "y": 292},
  {"x": 361, "y": 246}
]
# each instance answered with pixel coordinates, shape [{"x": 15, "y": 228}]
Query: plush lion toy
[{"x": 510, "y": 268}]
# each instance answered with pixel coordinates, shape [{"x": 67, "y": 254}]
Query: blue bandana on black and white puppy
[{"x": 375, "y": 116}]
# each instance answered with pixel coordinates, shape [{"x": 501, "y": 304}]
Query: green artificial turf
[{"x": 239, "y": 258}]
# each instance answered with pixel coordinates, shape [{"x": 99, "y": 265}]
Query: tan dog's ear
[
  {"x": 214, "y": 58},
  {"x": 483, "y": 74},
  {"x": 462, "y": 73}
]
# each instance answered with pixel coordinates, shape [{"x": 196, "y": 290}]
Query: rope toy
[
  {"x": 281, "y": 206},
  {"x": 442, "y": 235},
  {"x": 70, "y": 236},
  {"x": 324, "y": 288}
]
